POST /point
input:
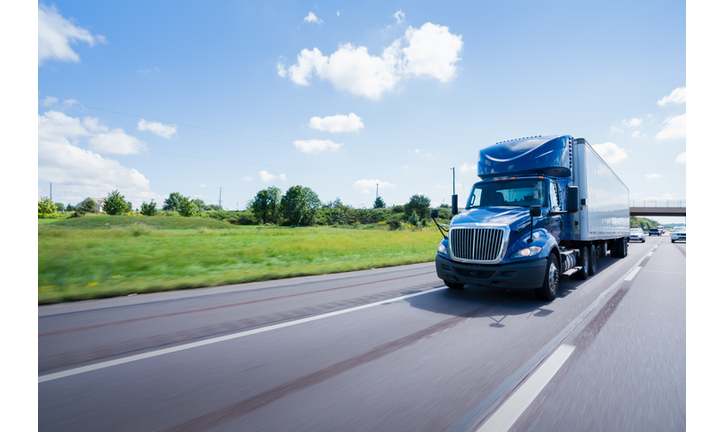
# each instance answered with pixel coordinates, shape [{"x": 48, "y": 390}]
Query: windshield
[
  {"x": 636, "y": 230},
  {"x": 523, "y": 193},
  {"x": 680, "y": 229}
]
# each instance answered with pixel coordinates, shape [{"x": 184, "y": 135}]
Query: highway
[{"x": 387, "y": 349}]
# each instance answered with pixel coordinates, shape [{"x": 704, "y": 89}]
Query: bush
[
  {"x": 149, "y": 209},
  {"x": 115, "y": 204},
  {"x": 245, "y": 218}
]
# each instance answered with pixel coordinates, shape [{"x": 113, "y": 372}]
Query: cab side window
[{"x": 555, "y": 195}]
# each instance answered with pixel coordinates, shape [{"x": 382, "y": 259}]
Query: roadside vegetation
[{"x": 86, "y": 253}]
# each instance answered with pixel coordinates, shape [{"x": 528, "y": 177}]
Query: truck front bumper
[{"x": 524, "y": 275}]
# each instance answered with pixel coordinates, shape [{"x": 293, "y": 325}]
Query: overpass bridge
[{"x": 658, "y": 208}]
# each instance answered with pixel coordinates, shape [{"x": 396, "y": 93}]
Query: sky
[{"x": 228, "y": 98}]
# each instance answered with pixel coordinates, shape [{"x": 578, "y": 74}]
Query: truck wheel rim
[{"x": 553, "y": 278}]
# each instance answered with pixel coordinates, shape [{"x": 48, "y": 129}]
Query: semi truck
[{"x": 545, "y": 207}]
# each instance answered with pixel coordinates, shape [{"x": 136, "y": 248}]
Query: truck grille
[{"x": 482, "y": 245}]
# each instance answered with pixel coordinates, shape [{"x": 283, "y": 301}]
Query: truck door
[{"x": 555, "y": 223}]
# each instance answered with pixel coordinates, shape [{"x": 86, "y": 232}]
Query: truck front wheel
[
  {"x": 453, "y": 285},
  {"x": 549, "y": 290}
]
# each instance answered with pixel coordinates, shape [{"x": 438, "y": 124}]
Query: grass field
[{"x": 104, "y": 256}]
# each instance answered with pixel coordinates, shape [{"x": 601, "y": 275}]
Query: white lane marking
[
  {"x": 106, "y": 364},
  {"x": 632, "y": 274},
  {"x": 516, "y": 404}
]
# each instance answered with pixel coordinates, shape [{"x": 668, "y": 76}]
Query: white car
[
  {"x": 637, "y": 234},
  {"x": 679, "y": 233}
]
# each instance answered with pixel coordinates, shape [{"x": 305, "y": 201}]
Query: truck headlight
[
  {"x": 441, "y": 248},
  {"x": 527, "y": 252}
]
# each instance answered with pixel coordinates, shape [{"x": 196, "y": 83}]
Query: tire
[
  {"x": 453, "y": 285},
  {"x": 551, "y": 280},
  {"x": 622, "y": 247},
  {"x": 672, "y": 241},
  {"x": 583, "y": 260},
  {"x": 593, "y": 265}
]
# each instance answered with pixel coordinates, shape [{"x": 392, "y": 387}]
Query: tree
[
  {"x": 187, "y": 207},
  {"x": 419, "y": 204},
  {"x": 173, "y": 202},
  {"x": 299, "y": 206},
  {"x": 129, "y": 206},
  {"x": 61, "y": 207},
  {"x": 88, "y": 206},
  {"x": 200, "y": 204},
  {"x": 379, "y": 203},
  {"x": 69, "y": 208},
  {"x": 265, "y": 205},
  {"x": 115, "y": 203},
  {"x": 414, "y": 219},
  {"x": 148, "y": 209},
  {"x": 46, "y": 206}
]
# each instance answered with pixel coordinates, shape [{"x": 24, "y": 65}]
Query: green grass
[{"x": 104, "y": 256}]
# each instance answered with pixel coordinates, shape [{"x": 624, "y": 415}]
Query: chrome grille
[{"x": 483, "y": 245}]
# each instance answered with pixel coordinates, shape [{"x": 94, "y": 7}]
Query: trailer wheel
[
  {"x": 583, "y": 260},
  {"x": 453, "y": 285},
  {"x": 622, "y": 248},
  {"x": 549, "y": 290},
  {"x": 593, "y": 265}
]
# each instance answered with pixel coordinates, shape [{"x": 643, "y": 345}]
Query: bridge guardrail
[{"x": 657, "y": 203}]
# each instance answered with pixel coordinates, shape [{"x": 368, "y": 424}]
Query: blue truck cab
[{"x": 545, "y": 207}]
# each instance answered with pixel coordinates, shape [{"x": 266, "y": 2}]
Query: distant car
[
  {"x": 637, "y": 234},
  {"x": 654, "y": 231},
  {"x": 679, "y": 233}
]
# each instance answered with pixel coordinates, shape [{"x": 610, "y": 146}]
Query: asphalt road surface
[{"x": 380, "y": 350}]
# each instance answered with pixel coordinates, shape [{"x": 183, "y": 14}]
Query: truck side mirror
[
  {"x": 454, "y": 204},
  {"x": 534, "y": 211},
  {"x": 573, "y": 199},
  {"x": 433, "y": 213}
]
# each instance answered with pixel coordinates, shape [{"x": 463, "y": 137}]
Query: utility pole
[
  {"x": 377, "y": 191},
  {"x": 51, "y": 191},
  {"x": 453, "y": 169},
  {"x": 220, "y": 208}
]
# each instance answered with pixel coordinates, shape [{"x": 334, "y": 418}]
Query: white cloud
[
  {"x": 93, "y": 125},
  {"x": 337, "y": 123},
  {"x": 266, "y": 177},
  {"x": 56, "y": 34},
  {"x": 316, "y": 146},
  {"x": 399, "y": 16},
  {"x": 368, "y": 185},
  {"x": 248, "y": 178},
  {"x": 81, "y": 173},
  {"x": 681, "y": 158},
  {"x": 638, "y": 134},
  {"x": 431, "y": 51},
  {"x": 55, "y": 123},
  {"x": 677, "y": 96},
  {"x": 160, "y": 129},
  {"x": 311, "y": 18},
  {"x": 281, "y": 71},
  {"x": 634, "y": 122},
  {"x": 116, "y": 141},
  {"x": 653, "y": 176},
  {"x": 49, "y": 101},
  {"x": 202, "y": 185},
  {"x": 610, "y": 152},
  {"x": 468, "y": 168},
  {"x": 674, "y": 127}
]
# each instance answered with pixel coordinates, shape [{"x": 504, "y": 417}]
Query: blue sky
[{"x": 157, "y": 97}]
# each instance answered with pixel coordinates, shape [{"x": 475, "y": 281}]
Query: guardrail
[{"x": 658, "y": 203}]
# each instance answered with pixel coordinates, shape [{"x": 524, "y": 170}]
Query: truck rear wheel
[
  {"x": 549, "y": 290},
  {"x": 583, "y": 260},
  {"x": 453, "y": 285},
  {"x": 593, "y": 266}
]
